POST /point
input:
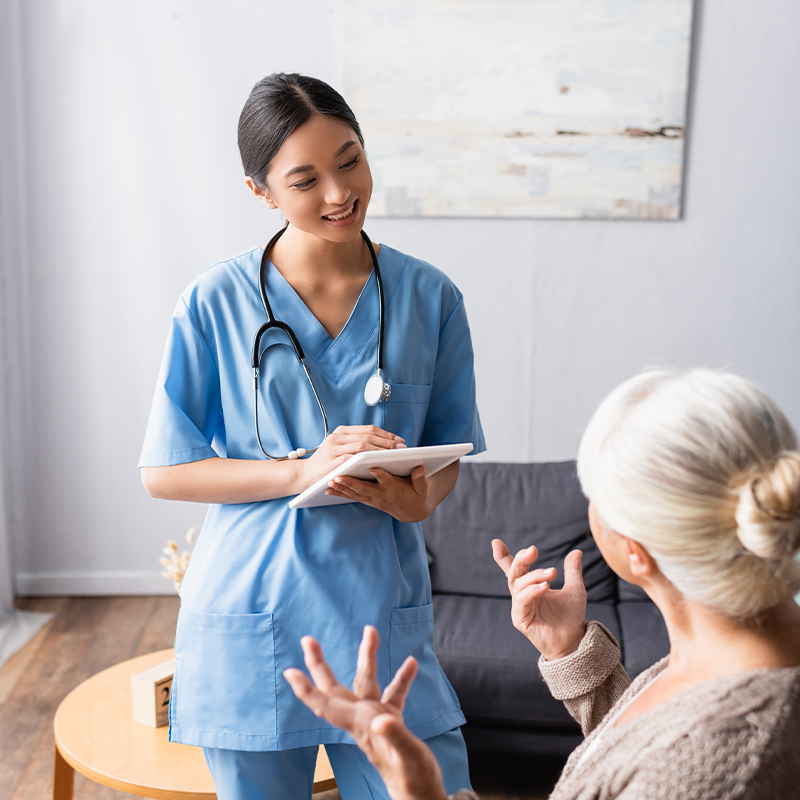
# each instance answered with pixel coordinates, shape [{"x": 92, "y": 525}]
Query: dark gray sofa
[{"x": 491, "y": 666}]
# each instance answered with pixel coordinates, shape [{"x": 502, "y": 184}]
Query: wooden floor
[{"x": 89, "y": 634}]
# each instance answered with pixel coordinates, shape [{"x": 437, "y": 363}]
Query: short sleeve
[
  {"x": 186, "y": 407},
  {"x": 452, "y": 415}
]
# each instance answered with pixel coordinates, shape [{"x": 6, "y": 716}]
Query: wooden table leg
[{"x": 63, "y": 778}]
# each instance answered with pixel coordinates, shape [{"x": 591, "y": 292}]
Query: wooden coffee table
[{"x": 96, "y": 735}]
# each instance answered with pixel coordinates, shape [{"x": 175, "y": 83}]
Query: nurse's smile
[{"x": 346, "y": 217}]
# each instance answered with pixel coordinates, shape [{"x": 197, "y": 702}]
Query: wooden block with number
[{"x": 151, "y": 689}]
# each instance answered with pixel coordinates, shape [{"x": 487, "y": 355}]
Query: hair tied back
[
  {"x": 768, "y": 513},
  {"x": 776, "y": 515}
]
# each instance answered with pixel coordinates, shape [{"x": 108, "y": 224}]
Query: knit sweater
[{"x": 736, "y": 736}]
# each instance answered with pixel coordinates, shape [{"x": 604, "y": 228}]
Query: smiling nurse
[{"x": 264, "y": 575}]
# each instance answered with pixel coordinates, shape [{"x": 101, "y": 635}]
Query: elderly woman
[{"x": 694, "y": 487}]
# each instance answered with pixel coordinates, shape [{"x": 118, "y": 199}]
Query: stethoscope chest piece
[{"x": 376, "y": 390}]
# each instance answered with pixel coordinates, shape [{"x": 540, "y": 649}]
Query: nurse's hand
[
  {"x": 410, "y": 499},
  {"x": 374, "y": 719},
  {"x": 343, "y": 443},
  {"x": 554, "y": 620}
]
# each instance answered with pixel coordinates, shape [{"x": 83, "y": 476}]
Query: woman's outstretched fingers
[
  {"x": 365, "y": 683},
  {"x": 306, "y": 691},
  {"x": 407, "y": 765},
  {"x": 513, "y": 566},
  {"x": 526, "y": 596},
  {"x": 321, "y": 673},
  {"x": 396, "y": 692},
  {"x": 535, "y": 576},
  {"x": 502, "y": 555},
  {"x": 523, "y": 560},
  {"x": 338, "y": 708}
]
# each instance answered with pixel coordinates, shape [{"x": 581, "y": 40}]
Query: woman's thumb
[
  {"x": 395, "y": 733},
  {"x": 573, "y": 574}
]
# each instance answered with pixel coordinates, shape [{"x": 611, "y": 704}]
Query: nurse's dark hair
[{"x": 276, "y": 107}]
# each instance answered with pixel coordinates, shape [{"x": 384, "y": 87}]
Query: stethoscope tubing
[
  {"x": 379, "y": 281},
  {"x": 272, "y": 323}
]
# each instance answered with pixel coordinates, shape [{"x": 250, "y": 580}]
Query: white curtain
[{"x": 16, "y": 627}]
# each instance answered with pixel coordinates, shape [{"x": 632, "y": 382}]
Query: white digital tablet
[{"x": 398, "y": 462}]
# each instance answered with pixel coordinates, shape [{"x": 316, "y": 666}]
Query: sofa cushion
[
  {"x": 522, "y": 504},
  {"x": 630, "y": 591},
  {"x": 644, "y": 635},
  {"x": 492, "y": 667}
]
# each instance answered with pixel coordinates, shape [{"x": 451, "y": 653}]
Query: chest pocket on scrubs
[
  {"x": 225, "y": 675},
  {"x": 405, "y": 410},
  {"x": 411, "y": 634}
]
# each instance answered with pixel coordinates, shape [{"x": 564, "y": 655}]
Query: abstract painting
[{"x": 521, "y": 108}]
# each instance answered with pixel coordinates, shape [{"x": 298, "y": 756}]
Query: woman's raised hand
[
  {"x": 374, "y": 719},
  {"x": 553, "y": 620}
]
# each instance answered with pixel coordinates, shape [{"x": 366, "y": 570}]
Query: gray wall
[{"x": 132, "y": 186}]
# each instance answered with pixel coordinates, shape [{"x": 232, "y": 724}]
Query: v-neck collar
[{"x": 332, "y": 356}]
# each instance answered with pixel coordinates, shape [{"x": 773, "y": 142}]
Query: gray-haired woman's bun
[
  {"x": 768, "y": 514},
  {"x": 703, "y": 469}
]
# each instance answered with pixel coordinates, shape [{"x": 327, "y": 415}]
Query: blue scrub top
[{"x": 263, "y": 575}]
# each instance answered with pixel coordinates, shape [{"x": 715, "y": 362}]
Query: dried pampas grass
[{"x": 175, "y": 565}]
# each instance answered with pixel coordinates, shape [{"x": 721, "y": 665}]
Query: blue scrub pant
[{"x": 289, "y": 774}]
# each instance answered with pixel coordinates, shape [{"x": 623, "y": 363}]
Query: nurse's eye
[
  {"x": 303, "y": 184},
  {"x": 351, "y": 163}
]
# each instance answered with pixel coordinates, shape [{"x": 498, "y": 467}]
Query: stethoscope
[{"x": 376, "y": 390}]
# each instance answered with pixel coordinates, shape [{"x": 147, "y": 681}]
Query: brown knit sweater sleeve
[{"x": 590, "y": 680}]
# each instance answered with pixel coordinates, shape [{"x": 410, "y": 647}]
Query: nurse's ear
[{"x": 262, "y": 195}]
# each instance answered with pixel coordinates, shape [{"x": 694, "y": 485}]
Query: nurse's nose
[{"x": 336, "y": 193}]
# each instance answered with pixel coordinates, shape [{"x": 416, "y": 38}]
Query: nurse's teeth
[{"x": 343, "y": 214}]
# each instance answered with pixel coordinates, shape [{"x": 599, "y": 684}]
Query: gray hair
[{"x": 702, "y": 469}]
